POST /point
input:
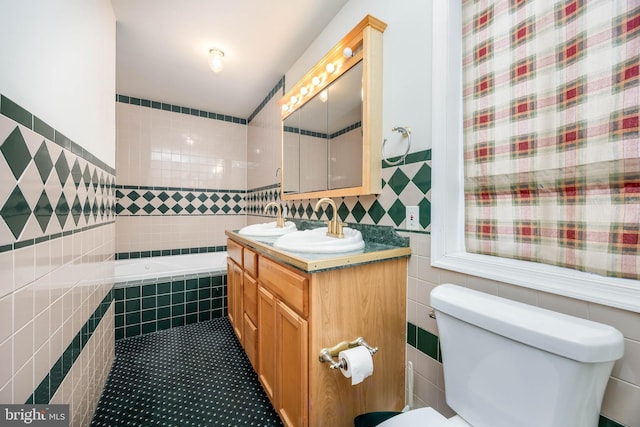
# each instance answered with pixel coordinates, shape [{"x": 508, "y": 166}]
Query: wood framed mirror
[{"x": 332, "y": 121}]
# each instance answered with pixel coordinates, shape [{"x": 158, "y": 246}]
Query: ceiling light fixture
[{"x": 215, "y": 60}]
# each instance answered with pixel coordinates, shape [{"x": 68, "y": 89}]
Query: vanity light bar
[{"x": 344, "y": 55}]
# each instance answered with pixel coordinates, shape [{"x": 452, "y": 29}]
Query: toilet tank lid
[{"x": 561, "y": 334}]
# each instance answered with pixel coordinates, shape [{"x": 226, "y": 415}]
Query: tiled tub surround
[
  {"x": 152, "y": 294},
  {"x": 56, "y": 261},
  {"x": 181, "y": 176}
]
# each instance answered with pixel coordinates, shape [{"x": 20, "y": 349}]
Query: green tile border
[
  {"x": 19, "y": 114},
  {"x": 417, "y": 157},
  {"x": 429, "y": 344},
  {"x": 50, "y": 384},
  {"x": 279, "y": 87},
  {"x": 30, "y": 242},
  {"x": 424, "y": 341},
  {"x": 153, "y": 188},
  {"x": 125, "y": 99},
  {"x": 142, "y": 308},
  {"x": 169, "y": 252},
  {"x": 606, "y": 422}
]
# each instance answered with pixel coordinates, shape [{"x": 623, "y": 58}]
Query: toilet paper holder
[{"x": 328, "y": 354}]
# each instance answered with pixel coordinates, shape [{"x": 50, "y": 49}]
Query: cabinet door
[
  {"x": 234, "y": 296},
  {"x": 250, "y": 343},
  {"x": 267, "y": 342},
  {"x": 250, "y": 295},
  {"x": 291, "y": 366}
]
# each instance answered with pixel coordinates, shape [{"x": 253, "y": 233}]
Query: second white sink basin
[
  {"x": 317, "y": 241},
  {"x": 267, "y": 229}
]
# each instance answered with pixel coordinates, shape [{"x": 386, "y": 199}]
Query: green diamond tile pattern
[
  {"x": 16, "y": 212},
  {"x": 376, "y": 212},
  {"x": 43, "y": 211},
  {"x": 403, "y": 185},
  {"x": 48, "y": 185},
  {"x": 62, "y": 168},
  {"x": 397, "y": 212},
  {"x": 164, "y": 201},
  {"x": 398, "y": 181},
  {"x": 76, "y": 174},
  {"x": 43, "y": 162},
  {"x": 343, "y": 212},
  {"x": 422, "y": 178},
  {"x": 358, "y": 212},
  {"x": 16, "y": 153},
  {"x": 86, "y": 176}
]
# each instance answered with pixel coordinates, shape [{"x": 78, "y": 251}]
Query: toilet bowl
[{"x": 510, "y": 364}]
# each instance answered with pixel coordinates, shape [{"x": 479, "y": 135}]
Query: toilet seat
[{"x": 424, "y": 417}]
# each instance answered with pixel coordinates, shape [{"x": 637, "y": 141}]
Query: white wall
[
  {"x": 59, "y": 63},
  {"x": 263, "y": 146},
  {"x": 406, "y": 93}
]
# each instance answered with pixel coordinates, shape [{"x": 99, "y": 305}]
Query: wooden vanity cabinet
[
  {"x": 250, "y": 306},
  {"x": 299, "y": 313},
  {"x": 235, "y": 276},
  {"x": 242, "y": 294},
  {"x": 283, "y": 296}
]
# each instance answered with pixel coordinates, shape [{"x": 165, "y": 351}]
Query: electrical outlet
[{"x": 413, "y": 218}]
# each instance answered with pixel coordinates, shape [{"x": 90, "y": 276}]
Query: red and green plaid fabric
[{"x": 551, "y": 132}]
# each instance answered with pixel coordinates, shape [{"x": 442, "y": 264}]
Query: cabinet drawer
[
  {"x": 234, "y": 251},
  {"x": 251, "y": 298},
  {"x": 291, "y": 287},
  {"x": 250, "y": 262}
]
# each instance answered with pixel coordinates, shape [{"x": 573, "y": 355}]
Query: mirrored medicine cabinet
[{"x": 332, "y": 121}]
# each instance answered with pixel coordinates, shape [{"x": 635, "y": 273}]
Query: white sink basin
[
  {"x": 317, "y": 241},
  {"x": 267, "y": 229}
]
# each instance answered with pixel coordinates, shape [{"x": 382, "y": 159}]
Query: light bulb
[
  {"x": 324, "y": 96},
  {"x": 315, "y": 81},
  {"x": 304, "y": 90},
  {"x": 347, "y": 52},
  {"x": 294, "y": 99},
  {"x": 285, "y": 108},
  {"x": 330, "y": 67},
  {"x": 215, "y": 60}
]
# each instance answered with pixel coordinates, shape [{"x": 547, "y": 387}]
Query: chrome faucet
[
  {"x": 334, "y": 226},
  {"x": 279, "y": 219}
]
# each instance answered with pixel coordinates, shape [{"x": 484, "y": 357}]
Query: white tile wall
[
  {"x": 146, "y": 233},
  {"x": 49, "y": 306},
  {"x": 166, "y": 149}
]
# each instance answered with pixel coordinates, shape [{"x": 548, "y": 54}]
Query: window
[{"x": 448, "y": 238}]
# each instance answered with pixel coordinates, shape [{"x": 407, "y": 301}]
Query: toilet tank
[{"x": 511, "y": 364}]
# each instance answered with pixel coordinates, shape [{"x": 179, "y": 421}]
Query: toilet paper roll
[{"x": 357, "y": 364}]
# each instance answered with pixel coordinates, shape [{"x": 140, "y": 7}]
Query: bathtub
[
  {"x": 147, "y": 269},
  {"x": 157, "y": 293}
]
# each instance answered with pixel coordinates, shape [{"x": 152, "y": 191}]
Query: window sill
[{"x": 620, "y": 293}]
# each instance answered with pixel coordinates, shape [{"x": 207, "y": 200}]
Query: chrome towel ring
[{"x": 406, "y": 133}]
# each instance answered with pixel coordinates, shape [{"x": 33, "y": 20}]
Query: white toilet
[{"x": 508, "y": 364}]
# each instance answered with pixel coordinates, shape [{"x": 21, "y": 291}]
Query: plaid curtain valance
[{"x": 551, "y": 132}]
